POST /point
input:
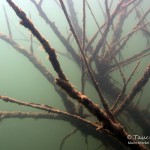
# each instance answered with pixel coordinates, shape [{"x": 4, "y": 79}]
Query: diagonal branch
[
  {"x": 109, "y": 23},
  {"x": 104, "y": 103},
  {"x": 124, "y": 87},
  {"x": 138, "y": 56},
  {"x": 57, "y": 32},
  {"x": 48, "y": 49},
  {"x": 137, "y": 88},
  {"x": 7, "y": 21}
]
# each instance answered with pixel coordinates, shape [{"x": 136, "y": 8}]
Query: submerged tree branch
[
  {"x": 104, "y": 103},
  {"x": 43, "y": 70},
  {"x": 137, "y": 88},
  {"x": 124, "y": 87},
  {"x": 57, "y": 32},
  {"x": 109, "y": 23},
  {"x": 46, "y": 108},
  {"x": 48, "y": 49}
]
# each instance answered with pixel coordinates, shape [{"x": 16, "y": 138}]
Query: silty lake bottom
[{"x": 74, "y": 75}]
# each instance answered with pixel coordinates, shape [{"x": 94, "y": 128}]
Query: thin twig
[
  {"x": 66, "y": 137},
  {"x": 103, "y": 12},
  {"x": 136, "y": 89},
  {"x": 124, "y": 87},
  {"x": 84, "y": 25},
  {"x": 89, "y": 7},
  {"x": 109, "y": 22},
  {"x": 120, "y": 71},
  {"x": 7, "y": 21},
  {"x": 100, "y": 28},
  {"x": 31, "y": 40},
  {"x": 129, "y": 60}
]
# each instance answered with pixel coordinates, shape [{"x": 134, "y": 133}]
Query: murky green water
[{"x": 21, "y": 80}]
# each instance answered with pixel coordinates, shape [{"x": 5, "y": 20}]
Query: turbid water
[{"x": 21, "y": 80}]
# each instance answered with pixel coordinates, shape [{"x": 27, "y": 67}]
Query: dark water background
[{"x": 19, "y": 79}]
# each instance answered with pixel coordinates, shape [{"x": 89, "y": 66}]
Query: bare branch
[
  {"x": 7, "y": 21},
  {"x": 104, "y": 103},
  {"x": 48, "y": 49},
  {"x": 124, "y": 87},
  {"x": 136, "y": 89},
  {"x": 46, "y": 108}
]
